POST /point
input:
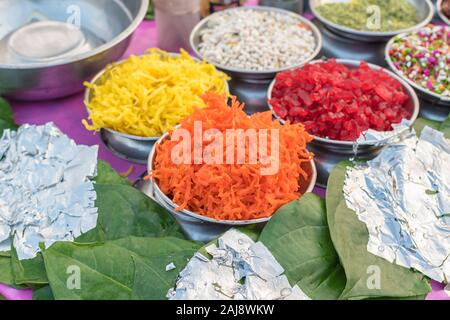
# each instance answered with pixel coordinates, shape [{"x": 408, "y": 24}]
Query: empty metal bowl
[
  {"x": 198, "y": 227},
  {"x": 328, "y": 153},
  {"x": 48, "y": 48},
  {"x": 126, "y": 146},
  {"x": 435, "y": 106},
  {"x": 251, "y": 86},
  {"x": 425, "y": 10}
]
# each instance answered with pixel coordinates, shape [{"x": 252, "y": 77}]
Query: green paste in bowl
[{"x": 371, "y": 15}]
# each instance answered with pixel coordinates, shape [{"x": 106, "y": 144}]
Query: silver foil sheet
[
  {"x": 381, "y": 138},
  {"x": 45, "y": 190},
  {"x": 403, "y": 197},
  {"x": 240, "y": 269}
]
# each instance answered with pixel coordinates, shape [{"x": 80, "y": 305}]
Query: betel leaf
[
  {"x": 6, "y": 276},
  {"x": 28, "y": 272},
  {"x": 335, "y": 186},
  {"x": 422, "y": 123},
  {"x": 107, "y": 175},
  {"x": 129, "y": 268},
  {"x": 445, "y": 128},
  {"x": 350, "y": 237},
  {"x": 43, "y": 293},
  {"x": 6, "y": 117},
  {"x": 124, "y": 211},
  {"x": 298, "y": 237}
]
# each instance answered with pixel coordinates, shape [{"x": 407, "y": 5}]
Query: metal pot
[
  {"x": 251, "y": 86},
  {"x": 290, "y": 5},
  {"x": 440, "y": 13},
  {"x": 202, "y": 228},
  {"x": 328, "y": 153},
  {"x": 425, "y": 10},
  {"x": 49, "y": 48},
  {"x": 126, "y": 146}
]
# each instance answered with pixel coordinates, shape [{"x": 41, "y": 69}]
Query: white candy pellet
[{"x": 256, "y": 40}]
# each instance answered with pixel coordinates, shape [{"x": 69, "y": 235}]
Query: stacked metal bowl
[
  {"x": 50, "y": 47},
  {"x": 196, "y": 226},
  {"x": 346, "y": 43}
]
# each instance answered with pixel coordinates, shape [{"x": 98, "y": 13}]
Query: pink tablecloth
[{"x": 67, "y": 114}]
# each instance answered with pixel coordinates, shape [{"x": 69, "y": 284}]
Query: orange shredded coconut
[{"x": 233, "y": 191}]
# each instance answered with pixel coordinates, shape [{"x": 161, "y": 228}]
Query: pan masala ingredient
[
  {"x": 336, "y": 102},
  {"x": 256, "y": 40},
  {"x": 147, "y": 95},
  {"x": 229, "y": 190},
  {"x": 361, "y": 14},
  {"x": 423, "y": 57}
]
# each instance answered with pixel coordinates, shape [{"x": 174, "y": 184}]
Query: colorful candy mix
[{"x": 423, "y": 57}]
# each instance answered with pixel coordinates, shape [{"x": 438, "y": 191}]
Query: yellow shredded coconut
[{"x": 148, "y": 95}]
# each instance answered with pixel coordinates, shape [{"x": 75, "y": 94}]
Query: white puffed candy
[{"x": 256, "y": 40}]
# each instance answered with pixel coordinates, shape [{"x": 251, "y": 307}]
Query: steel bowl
[
  {"x": 328, "y": 153},
  {"x": 434, "y": 106},
  {"x": 337, "y": 46},
  {"x": 198, "y": 227},
  {"x": 48, "y": 48},
  {"x": 251, "y": 86},
  {"x": 126, "y": 146},
  {"x": 440, "y": 13},
  {"x": 425, "y": 10}
]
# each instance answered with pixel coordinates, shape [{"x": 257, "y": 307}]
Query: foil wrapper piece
[
  {"x": 46, "y": 194},
  {"x": 240, "y": 269},
  {"x": 403, "y": 197},
  {"x": 382, "y": 138}
]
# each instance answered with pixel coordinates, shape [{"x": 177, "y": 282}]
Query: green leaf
[
  {"x": 6, "y": 117},
  {"x": 107, "y": 175},
  {"x": 335, "y": 186},
  {"x": 6, "y": 276},
  {"x": 130, "y": 268},
  {"x": 125, "y": 211},
  {"x": 44, "y": 293},
  {"x": 350, "y": 238},
  {"x": 422, "y": 123},
  {"x": 28, "y": 272},
  {"x": 298, "y": 237},
  {"x": 445, "y": 128}
]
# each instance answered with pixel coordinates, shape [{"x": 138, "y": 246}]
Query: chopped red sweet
[{"x": 339, "y": 103}]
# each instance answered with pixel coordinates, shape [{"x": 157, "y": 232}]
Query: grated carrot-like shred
[
  {"x": 233, "y": 191},
  {"x": 149, "y": 94}
]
